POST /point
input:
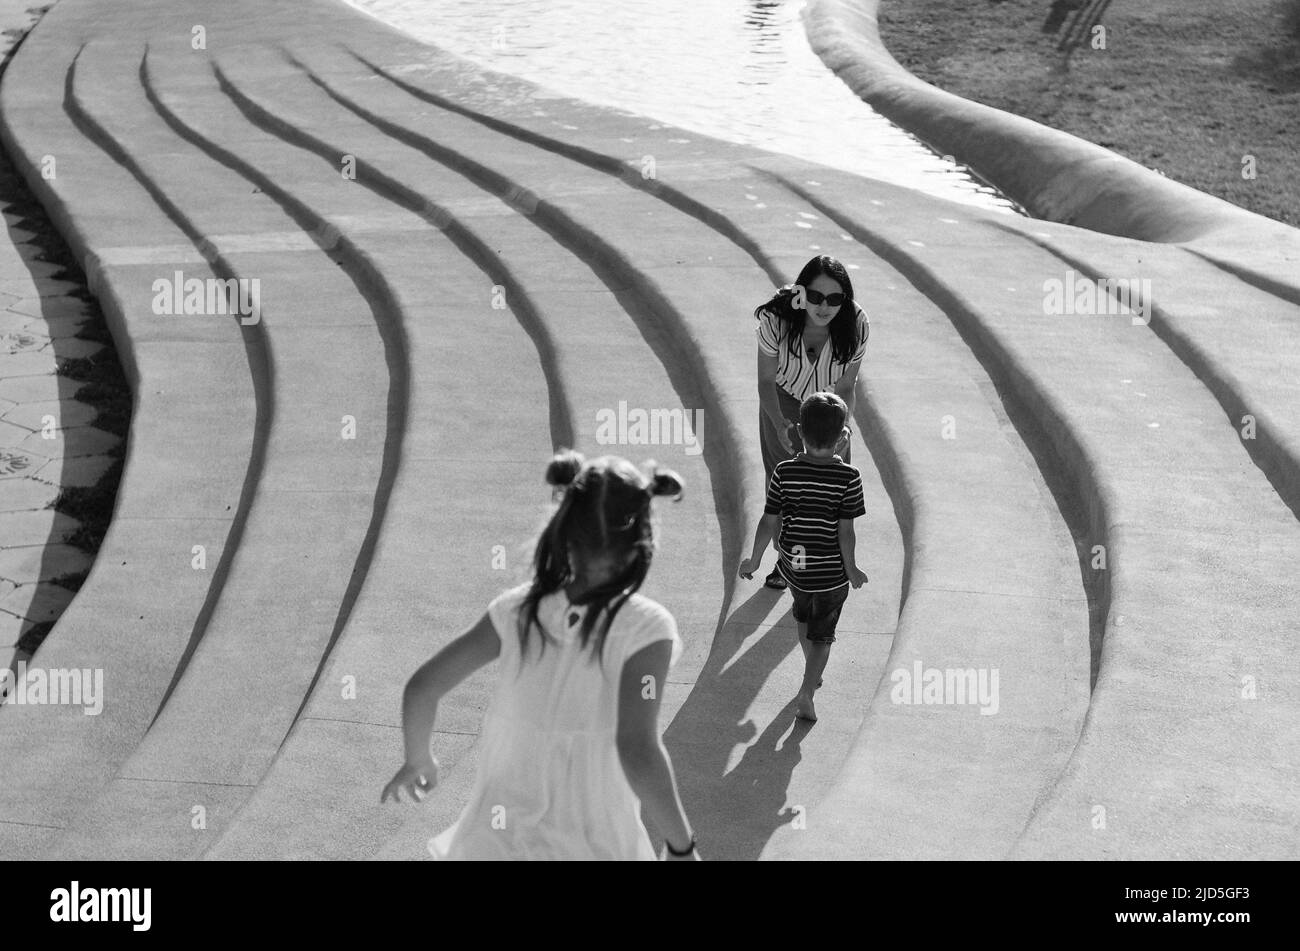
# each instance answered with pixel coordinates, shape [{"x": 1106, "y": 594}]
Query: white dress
[{"x": 550, "y": 784}]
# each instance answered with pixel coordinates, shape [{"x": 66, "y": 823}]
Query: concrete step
[
  {"x": 1237, "y": 338},
  {"x": 737, "y": 816},
  {"x": 1197, "y": 542},
  {"x": 192, "y": 450},
  {"x": 1056, "y": 601},
  {"x": 315, "y": 505},
  {"x": 551, "y": 278}
]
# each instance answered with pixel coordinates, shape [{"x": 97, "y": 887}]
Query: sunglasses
[{"x": 816, "y": 297}]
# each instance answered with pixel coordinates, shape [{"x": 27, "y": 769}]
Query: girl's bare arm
[
  {"x": 640, "y": 747},
  {"x": 477, "y": 647}
]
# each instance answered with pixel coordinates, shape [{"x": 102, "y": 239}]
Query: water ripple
[{"x": 740, "y": 70}]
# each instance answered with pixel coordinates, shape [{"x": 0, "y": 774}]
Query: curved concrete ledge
[
  {"x": 974, "y": 602},
  {"x": 245, "y": 143},
  {"x": 190, "y": 450},
  {"x": 911, "y": 395},
  {"x": 549, "y": 254},
  {"x": 1053, "y": 174},
  {"x": 320, "y": 500},
  {"x": 1221, "y": 324},
  {"x": 1195, "y": 583}
]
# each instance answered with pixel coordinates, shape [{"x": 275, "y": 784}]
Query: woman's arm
[
  {"x": 768, "y": 401},
  {"x": 767, "y": 365},
  {"x": 846, "y": 388},
  {"x": 640, "y": 748},
  {"x": 475, "y": 648}
]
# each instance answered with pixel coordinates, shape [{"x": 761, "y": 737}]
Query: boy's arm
[
  {"x": 848, "y": 551},
  {"x": 851, "y": 507},
  {"x": 764, "y": 532},
  {"x": 848, "y": 544}
]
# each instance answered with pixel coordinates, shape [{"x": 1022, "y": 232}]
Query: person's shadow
[
  {"x": 735, "y": 811},
  {"x": 1060, "y": 10}
]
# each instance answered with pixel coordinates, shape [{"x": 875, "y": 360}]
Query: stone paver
[
  {"x": 80, "y": 471},
  {"x": 33, "y": 563},
  {"x": 11, "y": 321},
  {"x": 20, "y": 495},
  {"x": 25, "y": 363},
  {"x": 70, "y": 443},
  {"x": 38, "y": 603},
  {"x": 52, "y": 308},
  {"x": 16, "y": 464},
  {"x": 36, "y": 415},
  {"x": 35, "y": 527},
  {"x": 12, "y": 627},
  {"x": 39, "y": 388},
  {"x": 73, "y": 348}
]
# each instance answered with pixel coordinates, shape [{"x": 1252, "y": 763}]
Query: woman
[{"x": 812, "y": 336}]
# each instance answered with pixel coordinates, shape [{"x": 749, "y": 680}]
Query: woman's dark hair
[
  {"x": 605, "y": 509},
  {"x": 844, "y": 324}
]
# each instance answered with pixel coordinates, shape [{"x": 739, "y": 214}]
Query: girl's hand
[
  {"x": 857, "y": 577},
  {"x": 748, "y": 567},
  {"x": 416, "y": 780}
]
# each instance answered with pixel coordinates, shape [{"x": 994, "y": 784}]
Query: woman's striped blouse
[{"x": 798, "y": 375}]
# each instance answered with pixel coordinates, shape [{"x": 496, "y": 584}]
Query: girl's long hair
[
  {"x": 605, "y": 510},
  {"x": 843, "y": 326}
]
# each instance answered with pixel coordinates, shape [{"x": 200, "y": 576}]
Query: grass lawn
[{"x": 1190, "y": 88}]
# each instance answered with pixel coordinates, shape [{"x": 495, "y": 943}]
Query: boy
[{"x": 814, "y": 499}]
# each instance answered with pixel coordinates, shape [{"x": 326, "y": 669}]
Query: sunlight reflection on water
[{"x": 740, "y": 70}]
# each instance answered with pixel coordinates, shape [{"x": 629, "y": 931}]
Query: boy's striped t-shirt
[{"x": 811, "y": 498}]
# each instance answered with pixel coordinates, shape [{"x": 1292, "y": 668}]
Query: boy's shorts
[{"x": 820, "y": 610}]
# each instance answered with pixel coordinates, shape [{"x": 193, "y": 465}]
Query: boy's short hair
[{"x": 821, "y": 417}]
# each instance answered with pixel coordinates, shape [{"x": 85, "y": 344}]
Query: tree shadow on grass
[{"x": 1276, "y": 66}]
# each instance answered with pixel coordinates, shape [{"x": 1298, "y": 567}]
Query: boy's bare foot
[{"x": 804, "y": 709}]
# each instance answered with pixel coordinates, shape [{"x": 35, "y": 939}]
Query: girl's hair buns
[
  {"x": 664, "y": 482},
  {"x": 564, "y": 467}
]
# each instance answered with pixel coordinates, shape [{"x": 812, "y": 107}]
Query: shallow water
[{"x": 740, "y": 70}]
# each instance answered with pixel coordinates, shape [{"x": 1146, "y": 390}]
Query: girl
[
  {"x": 570, "y": 745},
  {"x": 812, "y": 336}
]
